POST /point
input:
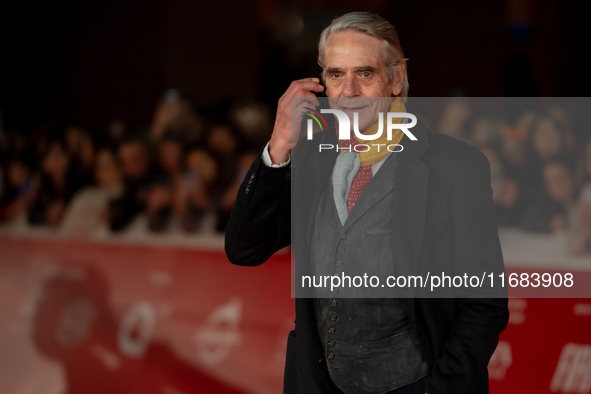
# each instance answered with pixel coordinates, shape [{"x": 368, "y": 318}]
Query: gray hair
[{"x": 374, "y": 26}]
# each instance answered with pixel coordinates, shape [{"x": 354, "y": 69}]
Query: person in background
[
  {"x": 159, "y": 196},
  {"x": 194, "y": 196},
  {"x": 175, "y": 116},
  {"x": 586, "y": 164},
  {"x": 513, "y": 146},
  {"x": 580, "y": 229},
  {"x": 223, "y": 142},
  {"x": 80, "y": 150},
  {"x": 72, "y": 136},
  {"x": 547, "y": 141},
  {"x": 168, "y": 177},
  {"x": 116, "y": 133},
  {"x": 88, "y": 209},
  {"x": 83, "y": 161},
  {"x": 135, "y": 163},
  {"x": 579, "y": 235},
  {"x": 485, "y": 131},
  {"x": 509, "y": 202},
  {"x": 254, "y": 121},
  {"x": 584, "y": 218},
  {"x": 455, "y": 118},
  {"x": 551, "y": 213},
  {"x": 170, "y": 159},
  {"x": 55, "y": 188},
  {"x": 17, "y": 190}
]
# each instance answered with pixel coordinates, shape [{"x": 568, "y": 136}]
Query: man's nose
[{"x": 351, "y": 87}]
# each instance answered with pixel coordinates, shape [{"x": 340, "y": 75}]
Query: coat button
[
  {"x": 335, "y": 291},
  {"x": 334, "y": 303},
  {"x": 344, "y": 236},
  {"x": 339, "y": 263},
  {"x": 333, "y": 317},
  {"x": 331, "y": 342},
  {"x": 330, "y": 355},
  {"x": 340, "y": 250},
  {"x": 331, "y": 330}
]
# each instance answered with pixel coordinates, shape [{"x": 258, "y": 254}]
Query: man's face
[{"x": 355, "y": 72}]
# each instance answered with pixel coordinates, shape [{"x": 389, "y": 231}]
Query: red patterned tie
[{"x": 360, "y": 180}]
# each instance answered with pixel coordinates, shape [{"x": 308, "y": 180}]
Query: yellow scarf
[{"x": 372, "y": 155}]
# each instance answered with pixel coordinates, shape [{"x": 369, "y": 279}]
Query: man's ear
[{"x": 398, "y": 79}]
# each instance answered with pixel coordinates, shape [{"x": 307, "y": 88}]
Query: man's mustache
[{"x": 356, "y": 103}]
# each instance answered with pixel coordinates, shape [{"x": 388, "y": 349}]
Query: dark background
[{"x": 94, "y": 61}]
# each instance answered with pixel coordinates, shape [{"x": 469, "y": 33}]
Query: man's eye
[
  {"x": 366, "y": 74},
  {"x": 336, "y": 75}
]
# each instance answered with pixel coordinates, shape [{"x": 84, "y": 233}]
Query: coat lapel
[
  {"x": 379, "y": 186},
  {"x": 410, "y": 201},
  {"x": 321, "y": 167},
  {"x": 409, "y": 207},
  {"x": 407, "y": 177}
]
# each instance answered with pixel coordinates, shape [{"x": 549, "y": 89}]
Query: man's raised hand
[{"x": 289, "y": 116}]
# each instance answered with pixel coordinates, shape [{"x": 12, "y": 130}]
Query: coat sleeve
[
  {"x": 260, "y": 222},
  {"x": 461, "y": 366}
]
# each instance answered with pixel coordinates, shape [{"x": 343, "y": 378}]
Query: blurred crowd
[
  {"x": 540, "y": 157},
  {"x": 182, "y": 168},
  {"x": 187, "y": 166}
]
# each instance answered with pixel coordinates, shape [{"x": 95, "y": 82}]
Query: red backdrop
[{"x": 85, "y": 317}]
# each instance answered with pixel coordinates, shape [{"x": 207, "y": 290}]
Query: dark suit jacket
[{"x": 445, "y": 218}]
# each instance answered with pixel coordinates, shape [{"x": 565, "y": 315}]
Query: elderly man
[{"x": 428, "y": 205}]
